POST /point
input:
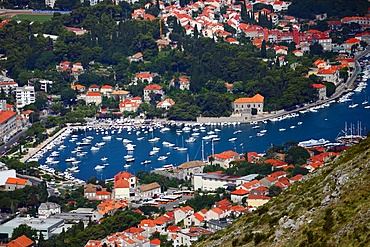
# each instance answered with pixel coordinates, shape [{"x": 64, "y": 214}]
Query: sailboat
[{"x": 182, "y": 148}]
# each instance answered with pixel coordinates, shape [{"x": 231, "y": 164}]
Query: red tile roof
[
  {"x": 93, "y": 94},
  {"x": 240, "y": 192},
  {"x": 18, "y": 181},
  {"x": 318, "y": 86},
  {"x": 22, "y": 241},
  {"x": 5, "y": 115},
  {"x": 153, "y": 87},
  {"x": 255, "y": 99},
  {"x": 258, "y": 197}
]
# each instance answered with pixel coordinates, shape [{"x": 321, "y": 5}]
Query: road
[{"x": 12, "y": 141}]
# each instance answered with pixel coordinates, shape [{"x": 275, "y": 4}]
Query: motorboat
[
  {"x": 155, "y": 139},
  {"x": 103, "y": 158},
  {"x": 145, "y": 162},
  {"x": 99, "y": 167},
  {"x": 162, "y": 157},
  {"x": 232, "y": 139},
  {"x": 70, "y": 159},
  {"x": 190, "y": 139}
]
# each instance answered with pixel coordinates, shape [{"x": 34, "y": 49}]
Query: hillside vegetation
[{"x": 330, "y": 207}]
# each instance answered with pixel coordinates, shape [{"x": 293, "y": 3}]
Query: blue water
[{"x": 326, "y": 123}]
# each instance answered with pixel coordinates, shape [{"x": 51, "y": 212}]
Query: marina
[{"x": 134, "y": 145}]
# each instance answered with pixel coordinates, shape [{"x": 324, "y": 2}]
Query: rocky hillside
[{"x": 330, "y": 207}]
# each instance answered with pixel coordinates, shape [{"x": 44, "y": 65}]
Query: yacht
[
  {"x": 182, "y": 149},
  {"x": 162, "y": 157},
  {"x": 94, "y": 148},
  {"x": 190, "y": 139},
  {"x": 232, "y": 139},
  {"x": 132, "y": 159},
  {"x": 70, "y": 159},
  {"x": 145, "y": 162},
  {"x": 107, "y": 138},
  {"x": 282, "y": 129},
  {"x": 99, "y": 167},
  {"x": 155, "y": 139},
  {"x": 104, "y": 159},
  {"x": 126, "y": 165}
]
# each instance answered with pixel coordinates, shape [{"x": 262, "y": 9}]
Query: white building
[
  {"x": 48, "y": 208},
  {"x": 44, "y": 84},
  {"x": 25, "y": 96}
]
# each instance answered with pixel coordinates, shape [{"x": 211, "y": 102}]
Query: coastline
[{"x": 341, "y": 89}]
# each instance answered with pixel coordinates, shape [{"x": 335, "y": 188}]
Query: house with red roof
[
  {"x": 268, "y": 181},
  {"x": 224, "y": 158},
  {"x": 257, "y": 200},
  {"x": 16, "y": 183},
  {"x": 143, "y": 76},
  {"x": 94, "y": 98},
  {"x": 155, "y": 243},
  {"x": 297, "y": 53},
  {"x": 153, "y": 89},
  {"x": 109, "y": 207},
  {"x": 250, "y": 185},
  {"x": 79, "y": 88},
  {"x": 238, "y": 195},
  {"x": 182, "y": 212},
  {"x": 182, "y": 83},
  {"x": 276, "y": 164},
  {"x": 8, "y": 124},
  {"x": 321, "y": 90},
  {"x": 106, "y": 90},
  {"x": 351, "y": 42},
  {"x": 128, "y": 105},
  {"x": 149, "y": 227},
  {"x": 22, "y": 241},
  {"x": 330, "y": 74},
  {"x": 124, "y": 183},
  {"x": 94, "y": 88},
  {"x": 260, "y": 190},
  {"x": 296, "y": 178},
  {"x": 195, "y": 219},
  {"x": 137, "y": 57},
  {"x": 245, "y": 105},
  {"x": 8, "y": 86},
  {"x": 166, "y": 104}
]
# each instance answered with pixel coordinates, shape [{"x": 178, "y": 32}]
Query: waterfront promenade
[{"x": 341, "y": 89}]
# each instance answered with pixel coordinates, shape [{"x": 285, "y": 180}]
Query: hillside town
[{"x": 234, "y": 183}]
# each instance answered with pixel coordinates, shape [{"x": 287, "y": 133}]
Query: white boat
[
  {"x": 232, "y": 139},
  {"x": 216, "y": 139},
  {"x": 130, "y": 159},
  {"x": 70, "y": 159},
  {"x": 145, "y": 162},
  {"x": 126, "y": 165},
  {"x": 103, "y": 158},
  {"x": 125, "y": 141},
  {"x": 162, "y": 157},
  {"x": 182, "y": 149},
  {"x": 119, "y": 138},
  {"x": 74, "y": 168},
  {"x": 99, "y": 144},
  {"x": 260, "y": 134},
  {"x": 99, "y": 167},
  {"x": 76, "y": 162},
  {"x": 94, "y": 148},
  {"x": 263, "y": 131},
  {"x": 106, "y": 164},
  {"x": 153, "y": 152},
  {"x": 313, "y": 142},
  {"x": 130, "y": 147},
  {"x": 282, "y": 129},
  {"x": 299, "y": 123},
  {"x": 128, "y": 156},
  {"x": 367, "y": 107},
  {"x": 293, "y": 127},
  {"x": 352, "y": 105},
  {"x": 190, "y": 139},
  {"x": 155, "y": 139},
  {"x": 107, "y": 138},
  {"x": 140, "y": 138},
  {"x": 195, "y": 134}
]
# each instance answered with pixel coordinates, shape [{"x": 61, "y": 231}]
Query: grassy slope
[{"x": 299, "y": 216}]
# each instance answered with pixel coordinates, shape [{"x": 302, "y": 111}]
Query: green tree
[{"x": 26, "y": 230}]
